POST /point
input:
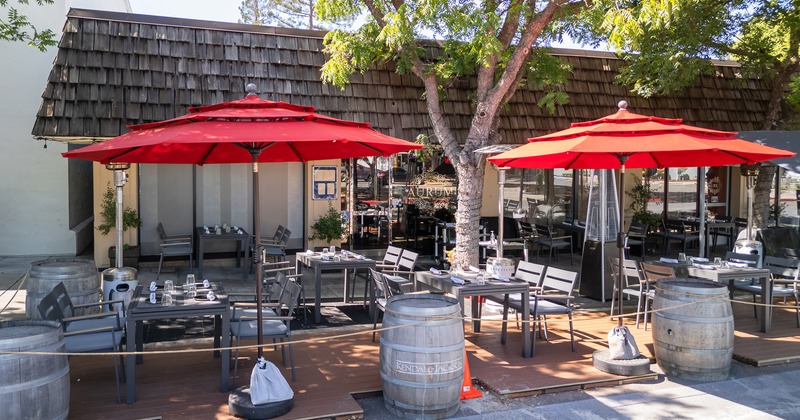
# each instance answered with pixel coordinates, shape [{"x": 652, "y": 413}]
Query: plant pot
[{"x": 130, "y": 256}]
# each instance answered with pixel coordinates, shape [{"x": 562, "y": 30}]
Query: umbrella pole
[
  {"x": 257, "y": 249},
  {"x": 621, "y": 236},
  {"x": 501, "y": 180}
]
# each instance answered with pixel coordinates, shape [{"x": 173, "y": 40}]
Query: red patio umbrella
[
  {"x": 244, "y": 131},
  {"x": 636, "y": 141}
]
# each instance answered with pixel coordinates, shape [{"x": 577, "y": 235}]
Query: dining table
[
  {"x": 472, "y": 288},
  {"x": 238, "y": 235},
  {"x": 143, "y": 309},
  {"x": 729, "y": 275},
  {"x": 319, "y": 262}
]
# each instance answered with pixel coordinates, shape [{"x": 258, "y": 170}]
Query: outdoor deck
[{"x": 330, "y": 372}]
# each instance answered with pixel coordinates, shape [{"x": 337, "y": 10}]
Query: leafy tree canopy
[
  {"x": 286, "y": 14},
  {"x": 16, "y": 27}
]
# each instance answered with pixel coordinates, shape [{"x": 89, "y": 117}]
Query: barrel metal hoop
[
  {"x": 416, "y": 384},
  {"x": 459, "y": 347},
  {"x": 24, "y": 386},
  {"x": 695, "y": 319},
  {"x": 680, "y": 349}
]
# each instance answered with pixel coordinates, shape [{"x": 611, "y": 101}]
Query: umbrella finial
[
  {"x": 251, "y": 89},
  {"x": 623, "y": 105}
]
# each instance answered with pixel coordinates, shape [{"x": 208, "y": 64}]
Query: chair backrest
[
  {"x": 543, "y": 231},
  {"x": 751, "y": 259},
  {"x": 722, "y": 218},
  {"x": 558, "y": 279},
  {"x": 674, "y": 226},
  {"x": 530, "y": 272},
  {"x": 63, "y": 300},
  {"x": 284, "y": 239},
  {"x": 378, "y": 283},
  {"x": 408, "y": 259},
  {"x": 48, "y": 308},
  {"x": 630, "y": 272},
  {"x": 525, "y": 230},
  {"x": 278, "y": 233},
  {"x": 652, "y": 272},
  {"x": 392, "y": 255},
  {"x": 787, "y": 268},
  {"x": 290, "y": 296},
  {"x": 638, "y": 229}
]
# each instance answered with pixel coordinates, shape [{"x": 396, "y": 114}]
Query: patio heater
[
  {"x": 602, "y": 226},
  {"x": 750, "y": 245},
  {"x": 501, "y": 181},
  {"x": 119, "y": 279}
]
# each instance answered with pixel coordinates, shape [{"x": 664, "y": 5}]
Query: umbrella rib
[{"x": 208, "y": 153}]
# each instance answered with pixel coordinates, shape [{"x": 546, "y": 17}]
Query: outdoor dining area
[{"x": 518, "y": 323}]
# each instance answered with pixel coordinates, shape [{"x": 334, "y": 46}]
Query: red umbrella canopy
[
  {"x": 230, "y": 132},
  {"x": 648, "y": 142}
]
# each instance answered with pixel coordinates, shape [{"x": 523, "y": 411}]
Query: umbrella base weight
[
  {"x": 601, "y": 359},
  {"x": 240, "y": 405}
]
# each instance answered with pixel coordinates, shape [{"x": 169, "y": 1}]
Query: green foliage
[
  {"x": 428, "y": 149},
  {"x": 328, "y": 227},
  {"x": 640, "y": 195},
  {"x": 287, "y": 14},
  {"x": 108, "y": 213},
  {"x": 16, "y": 26}
]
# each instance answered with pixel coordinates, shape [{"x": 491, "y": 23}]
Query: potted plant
[
  {"x": 130, "y": 219},
  {"x": 328, "y": 227},
  {"x": 640, "y": 195}
]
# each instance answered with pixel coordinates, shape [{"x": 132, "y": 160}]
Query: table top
[
  {"x": 471, "y": 287},
  {"x": 233, "y": 234},
  {"x": 140, "y": 304},
  {"x": 344, "y": 261}
]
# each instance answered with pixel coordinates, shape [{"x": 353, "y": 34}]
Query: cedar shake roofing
[{"x": 117, "y": 69}]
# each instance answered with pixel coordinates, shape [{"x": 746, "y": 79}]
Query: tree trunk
[
  {"x": 468, "y": 213},
  {"x": 761, "y": 201}
]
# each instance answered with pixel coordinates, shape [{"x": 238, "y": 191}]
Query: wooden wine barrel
[
  {"x": 422, "y": 361},
  {"x": 33, "y": 386},
  {"x": 80, "y": 278},
  {"x": 693, "y": 329}
]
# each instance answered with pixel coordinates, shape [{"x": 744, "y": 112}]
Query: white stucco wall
[{"x": 33, "y": 180}]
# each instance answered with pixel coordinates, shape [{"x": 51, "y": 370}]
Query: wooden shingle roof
[{"x": 116, "y": 69}]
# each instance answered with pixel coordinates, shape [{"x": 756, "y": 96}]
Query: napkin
[
  {"x": 474, "y": 269},
  {"x": 457, "y": 280},
  {"x": 699, "y": 260},
  {"x": 326, "y": 257},
  {"x": 153, "y": 298},
  {"x": 737, "y": 264},
  {"x": 153, "y": 286},
  {"x": 211, "y": 296},
  {"x": 239, "y": 231},
  {"x": 309, "y": 253},
  {"x": 236, "y": 228},
  {"x": 668, "y": 260},
  {"x": 360, "y": 257},
  {"x": 436, "y": 271},
  {"x": 501, "y": 278},
  {"x": 206, "y": 283}
]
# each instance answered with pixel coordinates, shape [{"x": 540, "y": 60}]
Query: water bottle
[{"x": 492, "y": 238}]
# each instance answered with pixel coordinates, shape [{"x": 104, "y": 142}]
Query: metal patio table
[
  {"x": 316, "y": 263},
  {"x": 490, "y": 287},
  {"x": 141, "y": 310},
  {"x": 242, "y": 243}
]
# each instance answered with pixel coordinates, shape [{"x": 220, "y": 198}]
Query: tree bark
[{"x": 470, "y": 197}]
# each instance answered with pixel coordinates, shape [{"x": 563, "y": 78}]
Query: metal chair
[
  {"x": 391, "y": 259},
  {"x": 726, "y": 232},
  {"x": 527, "y": 271},
  {"x": 276, "y": 326},
  {"x": 174, "y": 246},
  {"x": 547, "y": 238},
  {"x": 637, "y": 236},
  {"x": 785, "y": 274},
  {"x": 405, "y": 268},
  {"x": 677, "y": 230},
  {"x": 99, "y": 332},
  {"x": 554, "y": 298},
  {"x": 381, "y": 294},
  {"x": 634, "y": 287}
]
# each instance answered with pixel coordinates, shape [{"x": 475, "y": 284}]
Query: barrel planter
[
  {"x": 422, "y": 356},
  {"x": 80, "y": 278},
  {"x": 33, "y": 386},
  {"x": 693, "y": 329}
]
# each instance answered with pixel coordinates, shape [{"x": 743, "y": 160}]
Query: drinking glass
[
  {"x": 166, "y": 299},
  {"x": 333, "y": 249},
  {"x": 190, "y": 279},
  {"x": 169, "y": 286},
  {"x": 191, "y": 290},
  {"x": 717, "y": 262},
  {"x": 681, "y": 257}
]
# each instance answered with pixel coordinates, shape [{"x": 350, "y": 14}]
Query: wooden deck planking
[{"x": 330, "y": 372}]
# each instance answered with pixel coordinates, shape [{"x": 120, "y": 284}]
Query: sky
[
  {"x": 219, "y": 11},
  {"x": 216, "y": 10}
]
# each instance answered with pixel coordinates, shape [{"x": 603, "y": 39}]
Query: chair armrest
[
  {"x": 105, "y": 302},
  {"x": 169, "y": 244},
  {"x": 90, "y": 331},
  {"x": 100, "y": 315},
  {"x": 560, "y": 297},
  {"x": 270, "y": 318},
  {"x": 380, "y": 265},
  {"x": 562, "y": 237}
]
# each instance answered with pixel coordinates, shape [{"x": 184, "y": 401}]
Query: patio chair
[
  {"x": 277, "y": 249},
  {"x": 785, "y": 274},
  {"x": 381, "y": 292},
  {"x": 527, "y": 235},
  {"x": 726, "y": 232},
  {"x": 554, "y": 298},
  {"x": 391, "y": 259},
  {"x": 405, "y": 268},
  {"x": 634, "y": 287},
  {"x": 637, "y": 237},
  {"x": 547, "y": 238},
  {"x": 174, "y": 246},
  {"x": 527, "y": 271},
  {"x": 276, "y": 326},
  {"x": 99, "y": 332},
  {"x": 677, "y": 230}
]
